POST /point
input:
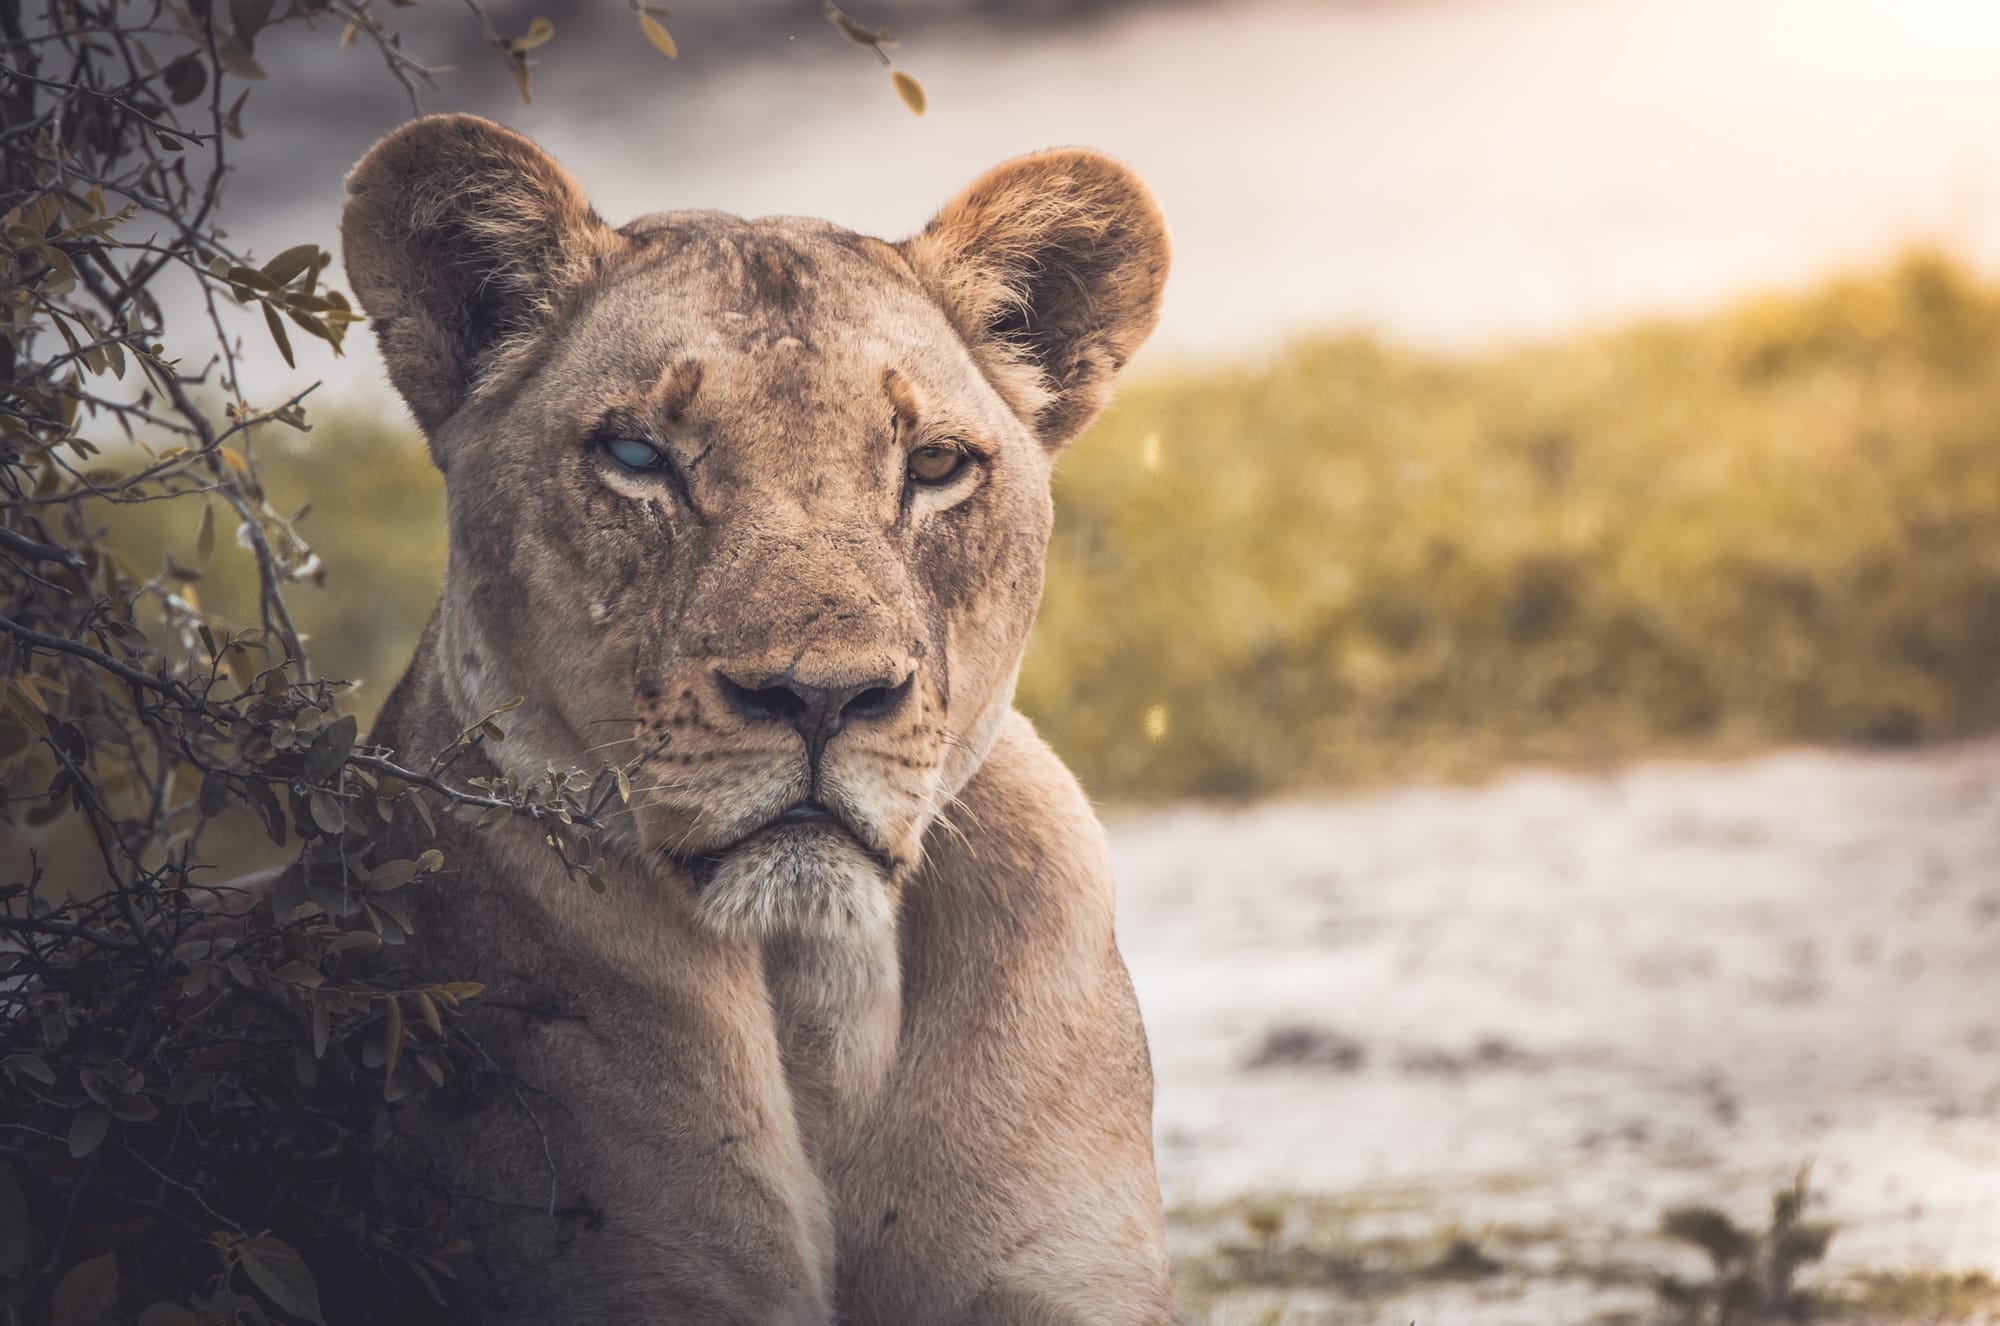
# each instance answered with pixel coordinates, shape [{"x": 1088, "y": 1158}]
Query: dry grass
[{"x": 1780, "y": 523}]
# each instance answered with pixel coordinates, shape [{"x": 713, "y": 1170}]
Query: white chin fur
[{"x": 796, "y": 882}]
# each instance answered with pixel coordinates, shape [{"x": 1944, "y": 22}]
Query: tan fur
[{"x": 884, "y": 1070}]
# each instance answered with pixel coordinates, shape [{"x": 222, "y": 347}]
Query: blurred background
[{"x": 1530, "y": 619}]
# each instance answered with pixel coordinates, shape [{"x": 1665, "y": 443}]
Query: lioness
[{"x": 847, "y": 1037}]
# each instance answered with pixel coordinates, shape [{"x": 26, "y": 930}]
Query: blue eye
[{"x": 633, "y": 454}]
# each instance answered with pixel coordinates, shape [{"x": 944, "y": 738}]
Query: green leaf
[
  {"x": 430, "y": 859},
  {"x": 30, "y": 1065},
  {"x": 326, "y": 813},
  {"x": 86, "y": 1292},
  {"x": 300, "y": 973},
  {"x": 278, "y": 334},
  {"x": 87, "y": 1130},
  {"x": 288, "y": 893},
  {"x": 135, "y": 1109},
  {"x": 330, "y": 750},
  {"x": 214, "y": 794},
  {"x": 281, "y": 1275},
  {"x": 355, "y": 939},
  {"x": 186, "y": 79},
  {"x": 265, "y": 802},
  {"x": 392, "y": 874},
  {"x": 427, "y": 1009},
  {"x": 291, "y": 262}
]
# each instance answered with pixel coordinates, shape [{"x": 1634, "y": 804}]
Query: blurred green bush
[
  {"x": 1356, "y": 563},
  {"x": 1780, "y": 523}
]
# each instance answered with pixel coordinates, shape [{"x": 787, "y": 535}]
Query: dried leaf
[
  {"x": 204, "y": 534},
  {"x": 656, "y": 33},
  {"x": 538, "y": 33},
  {"x": 910, "y": 90},
  {"x": 854, "y": 32},
  {"x": 235, "y": 58}
]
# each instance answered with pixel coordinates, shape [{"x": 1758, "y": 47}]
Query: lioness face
[
  {"x": 773, "y": 528},
  {"x": 755, "y": 508}
]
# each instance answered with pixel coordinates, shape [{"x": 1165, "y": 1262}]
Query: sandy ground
[{"x": 1571, "y": 1001}]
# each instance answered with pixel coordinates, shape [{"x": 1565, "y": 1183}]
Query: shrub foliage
[{"x": 192, "y": 1072}]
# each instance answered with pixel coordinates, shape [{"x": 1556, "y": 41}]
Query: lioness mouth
[{"x": 799, "y": 814}]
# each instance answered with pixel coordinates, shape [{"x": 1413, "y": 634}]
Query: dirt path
[{"x": 1569, "y": 1001}]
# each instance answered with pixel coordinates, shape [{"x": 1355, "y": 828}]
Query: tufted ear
[
  {"x": 462, "y": 239},
  {"x": 1051, "y": 267}
]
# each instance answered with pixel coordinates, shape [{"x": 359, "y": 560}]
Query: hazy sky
[{"x": 1445, "y": 171}]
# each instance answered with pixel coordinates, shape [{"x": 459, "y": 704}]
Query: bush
[{"x": 191, "y": 1112}]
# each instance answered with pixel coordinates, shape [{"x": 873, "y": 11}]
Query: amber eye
[{"x": 940, "y": 462}]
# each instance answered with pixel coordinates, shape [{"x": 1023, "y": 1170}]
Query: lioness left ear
[
  {"x": 1051, "y": 267},
  {"x": 462, "y": 239}
]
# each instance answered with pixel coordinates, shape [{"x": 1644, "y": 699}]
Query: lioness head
[{"x": 760, "y": 504}]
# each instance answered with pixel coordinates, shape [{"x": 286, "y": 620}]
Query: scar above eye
[
  {"x": 679, "y": 383},
  {"x": 903, "y": 399}
]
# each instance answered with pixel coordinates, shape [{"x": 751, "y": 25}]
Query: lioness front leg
[
  {"x": 640, "y": 1161},
  {"x": 1007, "y": 1176}
]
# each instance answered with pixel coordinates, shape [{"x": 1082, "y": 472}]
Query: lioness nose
[{"x": 814, "y": 712}]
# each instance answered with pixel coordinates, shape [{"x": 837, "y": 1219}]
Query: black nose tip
[{"x": 816, "y": 713}]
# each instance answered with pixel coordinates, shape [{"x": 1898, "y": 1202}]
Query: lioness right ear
[
  {"x": 462, "y": 238},
  {"x": 1051, "y": 266}
]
